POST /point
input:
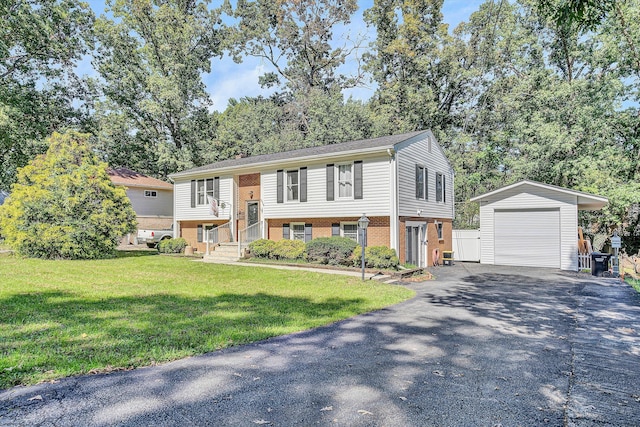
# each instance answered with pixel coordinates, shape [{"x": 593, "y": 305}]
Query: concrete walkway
[{"x": 480, "y": 346}]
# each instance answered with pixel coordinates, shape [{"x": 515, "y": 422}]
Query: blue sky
[{"x": 230, "y": 80}]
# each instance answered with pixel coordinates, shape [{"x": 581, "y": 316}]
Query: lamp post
[{"x": 363, "y": 223}]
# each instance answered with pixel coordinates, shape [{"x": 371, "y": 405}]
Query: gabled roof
[
  {"x": 129, "y": 178},
  {"x": 586, "y": 201},
  {"x": 360, "y": 146}
]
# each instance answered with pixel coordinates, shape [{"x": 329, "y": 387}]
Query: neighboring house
[
  {"x": 403, "y": 183},
  {"x": 532, "y": 224},
  {"x": 151, "y": 198}
]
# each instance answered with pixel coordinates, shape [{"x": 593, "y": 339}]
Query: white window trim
[
  {"x": 291, "y": 233},
  {"x": 337, "y": 181},
  {"x": 151, "y": 193},
  {"x": 439, "y": 230},
  {"x": 425, "y": 182},
  {"x": 442, "y": 188},
  {"x": 342, "y": 224},
  {"x": 286, "y": 185}
]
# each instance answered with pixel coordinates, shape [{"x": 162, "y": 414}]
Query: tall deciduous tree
[
  {"x": 418, "y": 66},
  {"x": 40, "y": 43},
  {"x": 151, "y": 56},
  {"x": 64, "y": 204}
]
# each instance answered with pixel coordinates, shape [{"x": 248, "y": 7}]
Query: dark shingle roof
[{"x": 324, "y": 150}]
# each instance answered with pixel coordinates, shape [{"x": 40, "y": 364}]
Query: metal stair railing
[
  {"x": 218, "y": 235},
  {"x": 248, "y": 235}
]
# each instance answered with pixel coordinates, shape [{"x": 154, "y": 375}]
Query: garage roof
[{"x": 586, "y": 201}]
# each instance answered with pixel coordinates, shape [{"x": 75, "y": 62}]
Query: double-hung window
[
  {"x": 422, "y": 183},
  {"x": 292, "y": 186},
  {"x": 297, "y": 231},
  {"x": 345, "y": 181},
  {"x": 440, "y": 188},
  {"x": 350, "y": 230}
]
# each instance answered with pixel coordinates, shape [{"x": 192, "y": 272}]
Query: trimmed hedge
[
  {"x": 283, "y": 249},
  {"x": 331, "y": 250},
  {"x": 376, "y": 257},
  {"x": 288, "y": 249},
  {"x": 172, "y": 246},
  {"x": 262, "y": 248}
]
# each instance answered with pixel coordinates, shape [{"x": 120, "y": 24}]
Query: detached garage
[{"x": 532, "y": 224}]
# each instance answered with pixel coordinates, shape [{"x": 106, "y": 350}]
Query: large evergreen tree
[{"x": 64, "y": 204}]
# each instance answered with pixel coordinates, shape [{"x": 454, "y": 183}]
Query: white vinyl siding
[
  {"x": 184, "y": 211},
  {"x": 416, "y": 152},
  {"x": 527, "y": 237},
  {"x": 375, "y": 201},
  {"x": 161, "y": 205},
  {"x": 530, "y": 200}
]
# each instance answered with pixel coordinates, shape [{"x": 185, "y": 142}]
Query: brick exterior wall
[
  {"x": 246, "y": 184},
  {"x": 378, "y": 233},
  {"x": 444, "y": 244}
]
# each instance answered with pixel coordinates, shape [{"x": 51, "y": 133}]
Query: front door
[
  {"x": 253, "y": 215},
  {"x": 414, "y": 242}
]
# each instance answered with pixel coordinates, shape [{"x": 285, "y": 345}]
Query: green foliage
[
  {"x": 376, "y": 257},
  {"x": 40, "y": 42},
  {"x": 152, "y": 56},
  {"x": 331, "y": 250},
  {"x": 65, "y": 206},
  {"x": 288, "y": 249},
  {"x": 262, "y": 248},
  {"x": 172, "y": 246}
]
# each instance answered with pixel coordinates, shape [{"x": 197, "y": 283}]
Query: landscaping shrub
[
  {"x": 172, "y": 246},
  {"x": 262, "y": 248},
  {"x": 64, "y": 204},
  {"x": 331, "y": 250},
  {"x": 288, "y": 249},
  {"x": 376, "y": 257}
]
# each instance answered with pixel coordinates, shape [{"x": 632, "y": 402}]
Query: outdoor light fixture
[
  {"x": 251, "y": 194},
  {"x": 363, "y": 223}
]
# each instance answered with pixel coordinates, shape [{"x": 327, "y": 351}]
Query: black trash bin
[{"x": 599, "y": 263}]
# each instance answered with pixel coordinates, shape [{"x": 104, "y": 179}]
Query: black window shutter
[
  {"x": 193, "y": 193},
  {"x": 330, "y": 184},
  {"x": 438, "y": 187},
  {"x": 418, "y": 172},
  {"x": 280, "y": 187},
  {"x": 216, "y": 188},
  {"x": 357, "y": 179},
  {"x": 307, "y": 232},
  {"x": 426, "y": 184},
  {"x": 285, "y": 231},
  {"x": 199, "y": 232},
  {"x": 444, "y": 189},
  {"x": 335, "y": 229},
  {"x": 303, "y": 184}
]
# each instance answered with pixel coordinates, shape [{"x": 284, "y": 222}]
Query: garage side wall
[{"x": 531, "y": 199}]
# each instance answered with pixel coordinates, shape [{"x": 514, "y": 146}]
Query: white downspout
[{"x": 394, "y": 241}]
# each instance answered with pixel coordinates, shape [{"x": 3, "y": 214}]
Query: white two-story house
[{"x": 402, "y": 183}]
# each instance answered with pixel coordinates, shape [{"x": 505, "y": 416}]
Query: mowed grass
[{"x": 62, "y": 318}]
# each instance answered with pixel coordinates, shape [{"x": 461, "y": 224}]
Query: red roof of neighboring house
[{"x": 129, "y": 178}]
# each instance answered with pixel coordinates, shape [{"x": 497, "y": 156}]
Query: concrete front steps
[{"x": 223, "y": 252}]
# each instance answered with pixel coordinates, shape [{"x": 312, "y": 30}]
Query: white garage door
[{"x": 527, "y": 237}]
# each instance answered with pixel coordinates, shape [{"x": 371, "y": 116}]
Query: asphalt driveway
[{"x": 480, "y": 346}]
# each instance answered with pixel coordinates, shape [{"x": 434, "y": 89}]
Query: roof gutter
[{"x": 255, "y": 167}]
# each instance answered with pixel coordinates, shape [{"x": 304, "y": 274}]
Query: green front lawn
[{"x": 61, "y": 318}]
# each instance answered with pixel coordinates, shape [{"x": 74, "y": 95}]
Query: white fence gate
[{"x": 466, "y": 245}]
